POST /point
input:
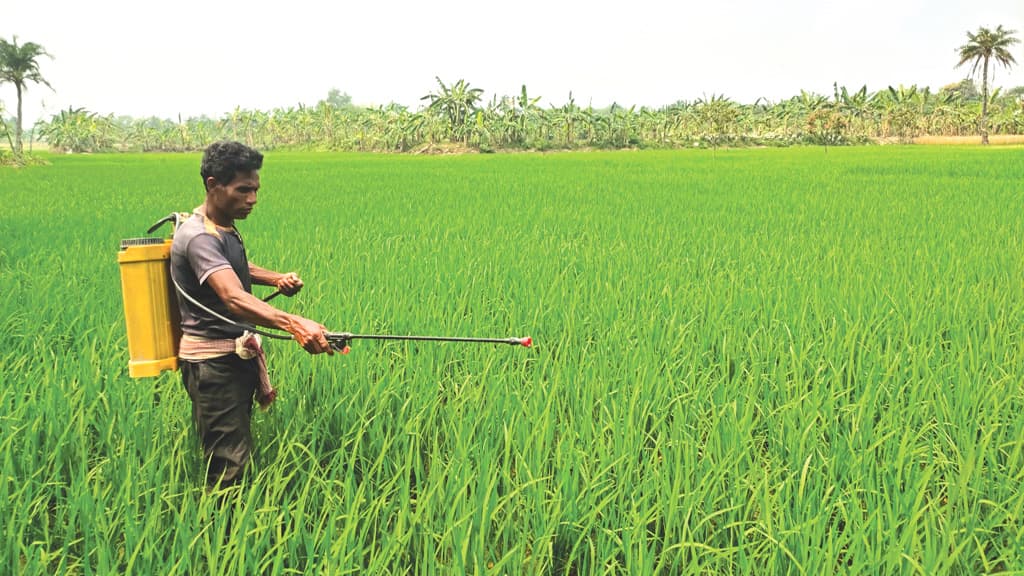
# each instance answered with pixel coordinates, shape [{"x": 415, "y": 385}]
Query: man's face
[{"x": 236, "y": 198}]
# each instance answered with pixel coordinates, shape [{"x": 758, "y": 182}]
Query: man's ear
[{"x": 210, "y": 182}]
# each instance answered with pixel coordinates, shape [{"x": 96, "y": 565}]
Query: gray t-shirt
[{"x": 199, "y": 249}]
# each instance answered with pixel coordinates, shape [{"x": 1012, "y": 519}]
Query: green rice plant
[{"x": 745, "y": 362}]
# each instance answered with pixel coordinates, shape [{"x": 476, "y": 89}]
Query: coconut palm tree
[
  {"x": 19, "y": 65},
  {"x": 983, "y": 46}
]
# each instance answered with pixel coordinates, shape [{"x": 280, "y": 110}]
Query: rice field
[{"x": 778, "y": 361}]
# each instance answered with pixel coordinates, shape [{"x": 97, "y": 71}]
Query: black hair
[{"x": 224, "y": 159}]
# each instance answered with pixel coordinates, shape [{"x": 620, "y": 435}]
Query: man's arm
[
  {"x": 308, "y": 333},
  {"x": 288, "y": 283}
]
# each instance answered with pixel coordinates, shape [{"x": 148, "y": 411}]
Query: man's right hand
[{"x": 310, "y": 335}]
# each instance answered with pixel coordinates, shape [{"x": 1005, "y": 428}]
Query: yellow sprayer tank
[{"x": 150, "y": 306}]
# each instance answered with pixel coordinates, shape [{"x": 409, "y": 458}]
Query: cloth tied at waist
[{"x": 247, "y": 346}]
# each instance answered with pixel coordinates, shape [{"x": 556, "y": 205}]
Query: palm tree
[
  {"x": 18, "y": 65},
  {"x": 983, "y": 46}
]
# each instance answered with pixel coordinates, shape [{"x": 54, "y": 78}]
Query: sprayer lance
[{"x": 339, "y": 340}]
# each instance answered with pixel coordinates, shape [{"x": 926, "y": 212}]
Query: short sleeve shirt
[{"x": 201, "y": 248}]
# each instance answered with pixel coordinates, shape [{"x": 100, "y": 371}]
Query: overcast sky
[{"x": 193, "y": 57}]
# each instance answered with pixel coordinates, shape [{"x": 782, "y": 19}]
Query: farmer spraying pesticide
[
  {"x": 222, "y": 364},
  {"x": 210, "y": 330},
  {"x": 216, "y": 343}
]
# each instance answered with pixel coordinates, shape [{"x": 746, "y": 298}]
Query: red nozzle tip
[
  {"x": 346, "y": 350},
  {"x": 526, "y": 341}
]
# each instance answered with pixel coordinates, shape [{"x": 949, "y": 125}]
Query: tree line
[{"x": 456, "y": 115}]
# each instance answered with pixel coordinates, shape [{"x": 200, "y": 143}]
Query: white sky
[{"x": 193, "y": 57}]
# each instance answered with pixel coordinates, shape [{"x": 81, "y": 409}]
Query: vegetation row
[{"x": 456, "y": 113}]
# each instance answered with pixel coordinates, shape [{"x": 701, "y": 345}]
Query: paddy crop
[{"x": 745, "y": 362}]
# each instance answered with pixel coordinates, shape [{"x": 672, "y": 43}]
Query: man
[{"x": 222, "y": 364}]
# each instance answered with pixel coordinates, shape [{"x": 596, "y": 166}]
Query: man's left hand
[{"x": 289, "y": 284}]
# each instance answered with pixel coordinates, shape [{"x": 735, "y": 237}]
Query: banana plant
[
  {"x": 78, "y": 130},
  {"x": 717, "y": 117},
  {"x": 902, "y": 111},
  {"x": 456, "y": 103}
]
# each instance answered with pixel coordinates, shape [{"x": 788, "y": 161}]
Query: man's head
[{"x": 231, "y": 174}]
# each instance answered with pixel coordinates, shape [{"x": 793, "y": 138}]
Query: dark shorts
[{"x": 222, "y": 391}]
